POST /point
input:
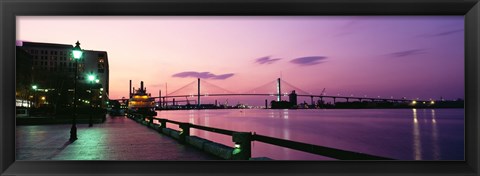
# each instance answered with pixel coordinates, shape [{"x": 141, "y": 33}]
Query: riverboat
[{"x": 141, "y": 102}]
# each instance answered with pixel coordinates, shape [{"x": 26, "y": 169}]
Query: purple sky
[{"x": 375, "y": 56}]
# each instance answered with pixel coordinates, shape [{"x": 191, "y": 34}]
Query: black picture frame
[{"x": 9, "y": 9}]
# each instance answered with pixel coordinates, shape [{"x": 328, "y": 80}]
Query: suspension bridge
[{"x": 277, "y": 88}]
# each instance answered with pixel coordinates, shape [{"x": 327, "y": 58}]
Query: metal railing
[{"x": 242, "y": 140}]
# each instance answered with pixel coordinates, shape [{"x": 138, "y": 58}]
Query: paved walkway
[{"x": 119, "y": 138}]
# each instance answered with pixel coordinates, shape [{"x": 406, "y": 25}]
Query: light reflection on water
[
  {"x": 405, "y": 134},
  {"x": 436, "y": 146},
  {"x": 417, "y": 143}
]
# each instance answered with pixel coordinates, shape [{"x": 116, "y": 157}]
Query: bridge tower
[
  {"x": 279, "y": 92},
  {"x": 130, "y": 90},
  {"x": 198, "y": 93}
]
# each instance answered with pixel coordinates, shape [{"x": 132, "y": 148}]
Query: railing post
[
  {"x": 185, "y": 131},
  {"x": 150, "y": 123},
  {"x": 141, "y": 118},
  {"x": 163, "y": 123},
  {"x": 243, "y": 143}
]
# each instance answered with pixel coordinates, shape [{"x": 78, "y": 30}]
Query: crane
[
  {"x": 320, "y": 102},
  {"x": 323, "y": 91}
]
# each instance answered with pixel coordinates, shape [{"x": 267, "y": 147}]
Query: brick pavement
[{"x": 119, "y": 138}]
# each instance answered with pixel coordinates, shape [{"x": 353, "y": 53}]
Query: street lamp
[
  {"x": 34, "y": 87},
  {"x": 77, "y": 54},
  {"x": 91, "y": 78}
]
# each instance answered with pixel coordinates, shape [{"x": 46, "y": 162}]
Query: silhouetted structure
[
  {"x": 23, "y": 79},
  {"x": 52, "y": 70},
  {"x": 293, "y": 98},
  {"x": 281, "y": 105}
]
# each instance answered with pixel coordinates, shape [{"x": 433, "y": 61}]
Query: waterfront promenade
[{"x": 119, "y": 138}]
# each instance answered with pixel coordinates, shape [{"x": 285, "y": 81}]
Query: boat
[{"x": 141, "y": 102}]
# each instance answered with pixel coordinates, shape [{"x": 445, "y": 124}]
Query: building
[
  {"x": 53, "y": 70},
  {"x": 97, "y": 64},
  {"x": 23, "y": 86}
]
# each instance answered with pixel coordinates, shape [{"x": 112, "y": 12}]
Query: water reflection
[
  {"x": 424, "y": 115},
  {"x": 404, "y": 136},
  {"x": 191, "y": 120},
  {"x": 436, "y": 146},
  {"x": 286, "y": 126},
  {"x": 286, "y": 132},
  {"x": 285, "y": 113},
  {"x": 417, "y": 143}
]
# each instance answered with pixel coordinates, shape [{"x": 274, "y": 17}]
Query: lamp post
[
  {"x": 77, "y": 54},
  {"x": 34, "y": 87},
  {"x": 91, "y": 78}
]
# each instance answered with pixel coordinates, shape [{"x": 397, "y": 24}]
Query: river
[{"x": 403, "y": 134}]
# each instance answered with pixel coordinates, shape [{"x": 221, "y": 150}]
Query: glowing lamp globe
[
  {"x": 77, "y": 54},
  {"x": 91, "y": 77},
  {"x": 77, "y": 51}
]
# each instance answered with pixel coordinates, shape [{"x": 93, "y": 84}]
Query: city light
[
  {"x": 432, "y": 102},
  {"x": 91, "y": 77},
  {"x": 34, "y": 87},
  {"x": 414, "y": 102},
  {"x": 77, "y": 54}
]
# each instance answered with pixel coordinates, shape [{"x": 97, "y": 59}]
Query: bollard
[
  {"x": 243, "y": 144},
  {"x": 185, "y": 132}
]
